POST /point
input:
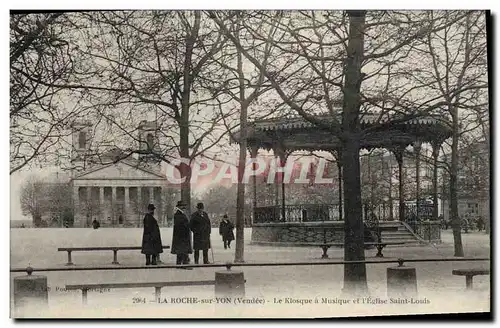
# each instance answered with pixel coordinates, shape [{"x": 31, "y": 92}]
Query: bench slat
[
  {"x": 470, "y": 272},
  {"x": 103, "y": 248},
  {"x": 142, "y": 284}
]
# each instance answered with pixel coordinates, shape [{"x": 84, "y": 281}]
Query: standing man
[
  {"x": 226, "y": 228},
  {"x": 201, "y": 228},
  {"x": 151, "y": 239},
  {"x": 181, "y": 238}
]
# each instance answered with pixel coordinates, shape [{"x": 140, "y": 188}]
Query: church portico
[
  {"x": 117, "y": 195},
  {"x": 115, "y": 206}
]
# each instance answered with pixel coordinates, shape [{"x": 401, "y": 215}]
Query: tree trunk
[
  {"x": 455, "y": 220},
  {"x": 339, "y": 168},
  {"x": 240, "y": 196},
  {"x": 185, "y": 170},
  {"x": 354, "y": 274}
]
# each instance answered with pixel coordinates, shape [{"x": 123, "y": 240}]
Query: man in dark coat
[
  {"x": 226, "y": 231},
  {"x": 181, "y": 238},
  {"x": 201, "y": 228},
  {"x": 151, "y": 239}
]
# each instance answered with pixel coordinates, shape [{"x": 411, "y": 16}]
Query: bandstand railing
[{"x": 296, "y": 213}]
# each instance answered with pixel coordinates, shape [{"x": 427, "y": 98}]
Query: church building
[{"x": 115, "y": 190}]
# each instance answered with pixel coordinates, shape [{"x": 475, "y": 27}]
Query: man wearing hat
[
  {"x": 181, "y": 238},
  {"x": 151, "y": 239},
  {"x": 201, "y": 228},
  {"x": 226, "y": 228}
]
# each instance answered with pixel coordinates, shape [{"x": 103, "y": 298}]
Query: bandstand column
[
  {"x": 435, "y": 153},
  {"x": 398, "y": 153},
  {"x": 253, "y": 153},
  {"x": 417, "y": 147},
  {"x": 338, "y": 157},
  {"x": 113, "y": 205},
  {"x": 282, "y": 156}
]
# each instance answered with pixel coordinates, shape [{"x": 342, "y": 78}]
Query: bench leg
[
  {"x": 157, "y": 294},
  {"x": 468, "y": 282},
  {"x": 115, "y": 257},
  {"x": 84, "y": 296},
  {"x": 325, "y": 250},
  {"x": 379, "y": 251},
  {"x": 69, "y": 259}
]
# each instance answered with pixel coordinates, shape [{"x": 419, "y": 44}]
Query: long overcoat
[
  {"x": 226, "y": 230},
  {"x": 201, "y": 228},
  {"x": 181, "y": 238},
  {"x": 151, "y": 239}
]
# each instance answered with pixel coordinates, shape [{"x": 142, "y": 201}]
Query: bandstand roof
[{"x": 296, "y": 133}]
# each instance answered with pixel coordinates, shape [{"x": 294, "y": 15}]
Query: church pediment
[{"x": 119, "y": 170}]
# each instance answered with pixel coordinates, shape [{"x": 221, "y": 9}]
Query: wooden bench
[
  {"x": 115, "y": 250},
  {"x": 157, "y": 286},
  {"x": 469, "y": 274},
  {"x": 325, "y": 246}
]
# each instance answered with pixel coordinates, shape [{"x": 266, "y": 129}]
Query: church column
[
  {"x": 126, "y": 202},
  {"x": 113, "y": 206},
  {"x": 152, "y": 196},
  {"x": 139, "y": 205},
  {"x": 76, "y": 206},
  {"x": 101, "y": 204},
  {"x": 159, "y": 207}
]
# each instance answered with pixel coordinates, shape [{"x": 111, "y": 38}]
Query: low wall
[
  {"x": 294, "y": 232},
  {"x": 332, "y": 231},
  {"x": 429, "y": 230}
]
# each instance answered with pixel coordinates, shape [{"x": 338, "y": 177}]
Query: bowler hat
[
  {"x": 200, "y": 206},
  {"x": 180, "y": 203},
  {"x": 151, "y": 207}
]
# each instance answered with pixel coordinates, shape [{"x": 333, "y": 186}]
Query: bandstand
[{"x": 291, "y": 224}]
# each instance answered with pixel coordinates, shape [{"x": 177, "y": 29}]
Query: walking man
[
  {"x": 181, "y": 238},
  {"x": 226, "y": 231},
  {"x": 201, "y": 228},
  {"x": 151, "y": 239}
]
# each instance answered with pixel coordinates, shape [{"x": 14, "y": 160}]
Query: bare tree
[
  {"x": 457, "y": 55},
  {"x": 40, "y": 59},
  {"x": 31, "y": 198},
  {"x": 322, "y": 55},
  {"x": 243, "y": 85}
]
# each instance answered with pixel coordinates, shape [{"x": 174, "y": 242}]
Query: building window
[
  {"x": 82, "y": 140},
  {"x": 149, "y": 140}
]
